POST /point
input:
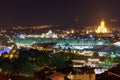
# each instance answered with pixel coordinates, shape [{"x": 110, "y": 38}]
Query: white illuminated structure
[{"x": 50, "y": 34}]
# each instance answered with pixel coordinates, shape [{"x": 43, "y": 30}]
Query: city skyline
[
  {"x": 59, "y": 39},
  {"x": 58, "y": 12}
]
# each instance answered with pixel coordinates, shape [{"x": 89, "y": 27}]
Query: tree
[
  {"x": 95, "y": 55},
  {"x": 58, "y": 62},
  {"x": 7, "y": 66}
]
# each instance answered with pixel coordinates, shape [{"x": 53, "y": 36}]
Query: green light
[
  {"x": 113, "y": 55},
  {"x": 106, "y": 63}
]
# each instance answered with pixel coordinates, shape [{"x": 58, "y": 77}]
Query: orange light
[{"x": 102, "y": 28}]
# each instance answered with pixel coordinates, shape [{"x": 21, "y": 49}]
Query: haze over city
[
  {"x": 60, "y": 40},
  {"x": 58, "y": 11}
]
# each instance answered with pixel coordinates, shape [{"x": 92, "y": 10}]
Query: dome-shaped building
[{"x": 102, "y": 28}]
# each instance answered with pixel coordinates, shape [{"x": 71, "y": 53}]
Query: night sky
[{"x": 58, "y": 11}]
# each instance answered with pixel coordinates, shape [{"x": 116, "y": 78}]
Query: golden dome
[{"x": 102, "y": 28}]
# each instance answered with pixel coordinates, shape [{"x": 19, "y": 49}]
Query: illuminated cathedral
[{"x": 102, "y": 28}]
